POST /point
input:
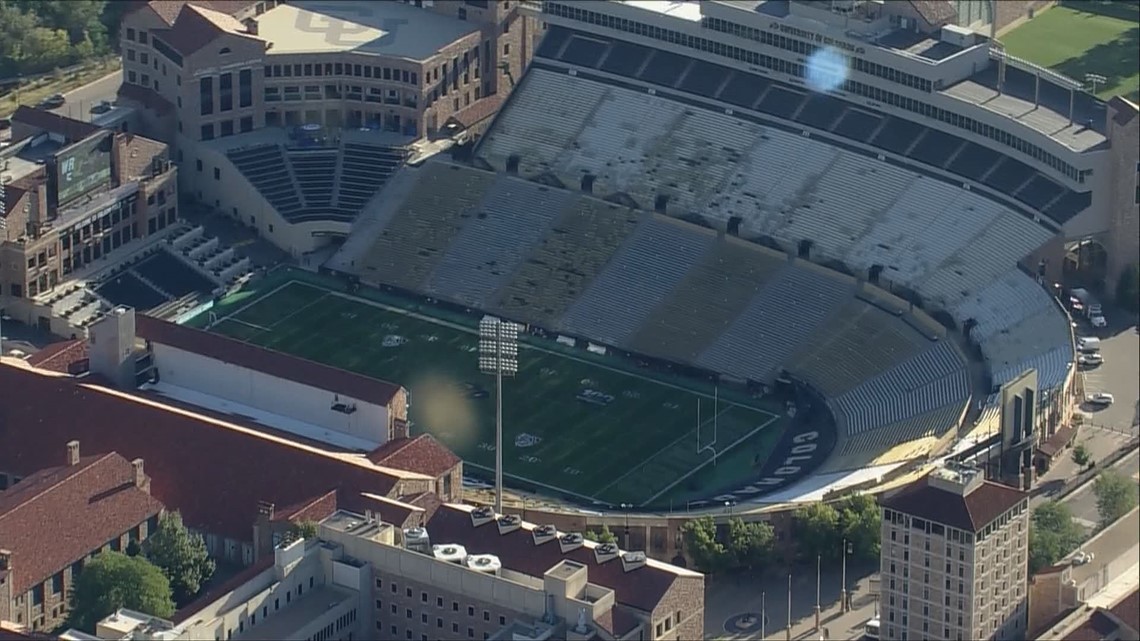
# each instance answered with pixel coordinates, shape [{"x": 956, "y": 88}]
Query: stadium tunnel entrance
[{"x": 1085, "y": 263}]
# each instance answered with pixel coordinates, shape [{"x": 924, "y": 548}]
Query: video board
[{"x": 83, "y": 167}]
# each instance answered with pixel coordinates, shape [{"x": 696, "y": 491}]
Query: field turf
[
  {"x": 1085, "y": 37},
  {"x": 638, "y": 449}
]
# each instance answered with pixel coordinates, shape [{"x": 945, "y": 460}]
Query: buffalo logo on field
[
  {"x": 527, "y": 440},
  {"x": 393, "y": 340}
]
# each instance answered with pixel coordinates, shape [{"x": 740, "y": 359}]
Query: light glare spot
[{"x": 826, "y": 69}]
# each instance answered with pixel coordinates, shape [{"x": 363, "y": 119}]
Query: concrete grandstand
[{"x": 775, "y": 270}]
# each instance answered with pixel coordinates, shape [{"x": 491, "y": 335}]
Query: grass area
[
  {"x": 638, "y": 448},
  {"x": 35, "y": 91},
  {"x": 1085, "y": 37}
]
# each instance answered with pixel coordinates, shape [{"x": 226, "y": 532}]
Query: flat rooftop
[
  {"x": 377, "y": 28},
  {"x": 304, "y": 611},
  {"x": 685, "y": 10},
  {"x": 23, "y": 158},
  {"x": 1044, "y": 108}
]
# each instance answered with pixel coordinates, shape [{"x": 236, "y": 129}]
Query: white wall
[{"x": 270, "y": 394}]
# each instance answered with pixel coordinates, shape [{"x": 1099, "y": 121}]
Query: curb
[
  {"x": 1089, "y": 476},
  {"x": 93, "y": 82}
]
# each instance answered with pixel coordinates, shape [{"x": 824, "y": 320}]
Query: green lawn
[
  {"x": 1085, "y": 37},
  {"x": 637, "y": 449}
]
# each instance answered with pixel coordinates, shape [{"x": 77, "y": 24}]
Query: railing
[{"x": 1019, "y": 63}]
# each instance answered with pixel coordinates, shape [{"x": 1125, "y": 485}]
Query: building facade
[
  {"x": 102, "y": 501},
  {"x": 74, "y": 196},
  {"x": 954, "y": 559}
]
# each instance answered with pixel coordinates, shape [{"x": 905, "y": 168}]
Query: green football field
[
  {"x": 1080, "y": 38},
  {"x": 639, "y": 448}
]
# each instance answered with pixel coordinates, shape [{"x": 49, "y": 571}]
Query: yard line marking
[
  {"x": 241, "y": 322},
  {"x": 610, "y": 368},
  {"x": 556, "y": 490},
  {"x": 709, "y": 460},
  {"x": 256, "y": 301},
  {"x": 298, "y": 310},
  {"x": 647, "y": 459}
]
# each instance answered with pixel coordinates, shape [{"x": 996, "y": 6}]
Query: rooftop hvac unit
[
  {"x": 630, "y": 561},
  {"x": 509, "y": 523},
  {"x": 605, "y": 552},
  {"x": 416, "y": 539},
  {"x": 450, "y": 552},
  {"x": 544, "y": 533},
  {"x": 570, "y": 542},
  {"x": 482, "y": 515},
  {"x": 488, "y": 563}
]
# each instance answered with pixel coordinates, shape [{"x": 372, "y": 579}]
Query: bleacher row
[
  {"x": 307, "y": 184},
  {"x": 818, "y": 111},
  {"x": 655, "y": 285}
]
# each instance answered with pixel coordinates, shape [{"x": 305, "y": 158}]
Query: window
[
  {"x": 245, "y": 88},
  {"x": 206, "y": 95},
  {"x": 423, "y": 597},
  {"x": 246, "y": 124},
  {"x": 394, "y": 589},
  {"x": 227, "y": 128},
  {"x": 131, "y": 35},
  {"x": 226, "y": 92},
  {"x": 470, "y": 610},
  {"x": 198, "y": 165},
  {"x": 462, "y": 13},
  {"x": 507, "y": 49},
  {"x": 218, "y": 176}
]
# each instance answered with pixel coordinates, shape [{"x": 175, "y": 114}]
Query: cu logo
[{"x": 336, "y": 22}]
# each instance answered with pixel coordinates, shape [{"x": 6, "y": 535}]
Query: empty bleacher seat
[
  {"x": 857, "y": 124},
  {"x": 781, "y": 102},
  {"x": 641, "y": 274},
  {"x": 1003, "y": 303},
  {"x": 1008, "y": 176},
  {"x": 664, "y": 68},
  {"x": 704, "y": 79},
  {"x": 364, "y": 170},
  {"x": 265, "y": 168},
  {"x": 897, "y": 135},
  {"x": 172, "y": 275},
  {"x": 584, "y": 51},
  {"x": 564, "y": 263},
  {"x": 820, "y": 111},
  {"x": 744, "y": 89},
  {"x": 625, "y": 59},
  {"x": 974, "y": 161},
  {"x": 1039, "y": 192},
  {"x": 776, "y": 322},
  {"x": 935, "y": 147},
  {"x": 513, "y": 216},
  {"x": 316, "y": 173}
]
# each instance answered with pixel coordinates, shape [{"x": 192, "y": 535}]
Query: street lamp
[
  {"x": 627, "y": 507},
  {"x": 843, "y": 596},
  {"x": 498, "y": 355},
  {"x": 728, "y": 505},
  {"x": 818, "y": 564}
]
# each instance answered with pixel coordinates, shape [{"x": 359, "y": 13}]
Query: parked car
[
  {"x": 1083, "y": 558},
  {"x": 54, "y": 101},
  {"x": 1090, "y": 360},
  {"x": 101, "y": 108},
  {"x": 1100, "y": 398},
  {"x": 5, "y": 123}
]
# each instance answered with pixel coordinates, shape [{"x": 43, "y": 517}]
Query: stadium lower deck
[{"x": 582, "y": 427}]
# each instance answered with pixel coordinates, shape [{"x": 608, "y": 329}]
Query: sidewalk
[{"x": 839, "y": 626}]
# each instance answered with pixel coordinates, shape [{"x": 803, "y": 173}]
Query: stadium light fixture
[{"x": 498, "y": 355}]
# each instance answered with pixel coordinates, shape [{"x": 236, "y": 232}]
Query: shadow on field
[
  {"x": 1117, "y": 61},
  {"x": 1129, "y": 11}
]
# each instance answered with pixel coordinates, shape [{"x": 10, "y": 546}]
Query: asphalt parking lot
[{"x": 1119, "y": 375}]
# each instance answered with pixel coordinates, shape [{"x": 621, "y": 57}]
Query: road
[
  {"x": 81, "y": 100},
  {"x": 1082, "y": 503},
  {"x": 1114, "y": 549},
  {"x": 1119, "y": 375}
]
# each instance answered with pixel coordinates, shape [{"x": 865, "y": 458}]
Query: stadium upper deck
[{"x": 907, "y": 56}]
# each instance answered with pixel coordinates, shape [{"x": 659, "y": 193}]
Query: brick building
[
  {"x": 954, "y": 559},
  {"x": 56, "y": 518}
]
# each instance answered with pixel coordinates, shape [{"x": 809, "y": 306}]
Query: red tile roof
[
  {"x": 311, "y": 509},
  {"x": 65, "y": 357},
  {"x": 146, "y": 97},
  {"x": 1096, "y": 628},
  {"x": 1057, "y": 441},
  {"x": 214, "y": 473},
  {"x": 168, "y": 10},
  {"x": 72, "y": 130},
  {"x": 935, "y": 12},
  {"x": 971, "y": 512},
  {"x": 290, "y": 368},
  {"x": 59, "y": 515},
  {"x": 623, "y": 622},
  {"x": 1128, "y": 610},
  {"x": 421, "y": 454},
  {"x": 642, "y": 588}
]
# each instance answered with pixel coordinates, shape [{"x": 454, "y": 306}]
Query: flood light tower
[{"x": 498, "y": 355}]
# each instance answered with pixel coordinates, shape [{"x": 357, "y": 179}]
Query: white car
[
  {"x": 1100, "y": 398},
  {"x": 1083, "y": 558},
  {"x": 1098, "y": 321},
  {"x": 1090, "y": 359}
]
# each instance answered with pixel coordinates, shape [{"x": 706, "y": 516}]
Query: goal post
[{"x": 711, "y": 445}]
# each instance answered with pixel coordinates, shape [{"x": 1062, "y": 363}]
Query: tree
[
  {"x": 708, "y": 553},
  {"x": 859, "y": 524},
  {"x": 816, "y": 525},
  {"x": 750, "y": 544},
  {"x": 1081, "y": 456},
  {"x": 1128, "y": 288},
  {"x": 111, "y": 581},
  {"x": 1052, "y": 535},
  {"x": 1115, "y": 496},
  {"x": 603, "y": 535},
  {"x": 304, "y": 530},
  {"x": 181, "y": 555}
]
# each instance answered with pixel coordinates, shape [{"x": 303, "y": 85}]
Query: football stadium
[{"x": 756, "y": 248}]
